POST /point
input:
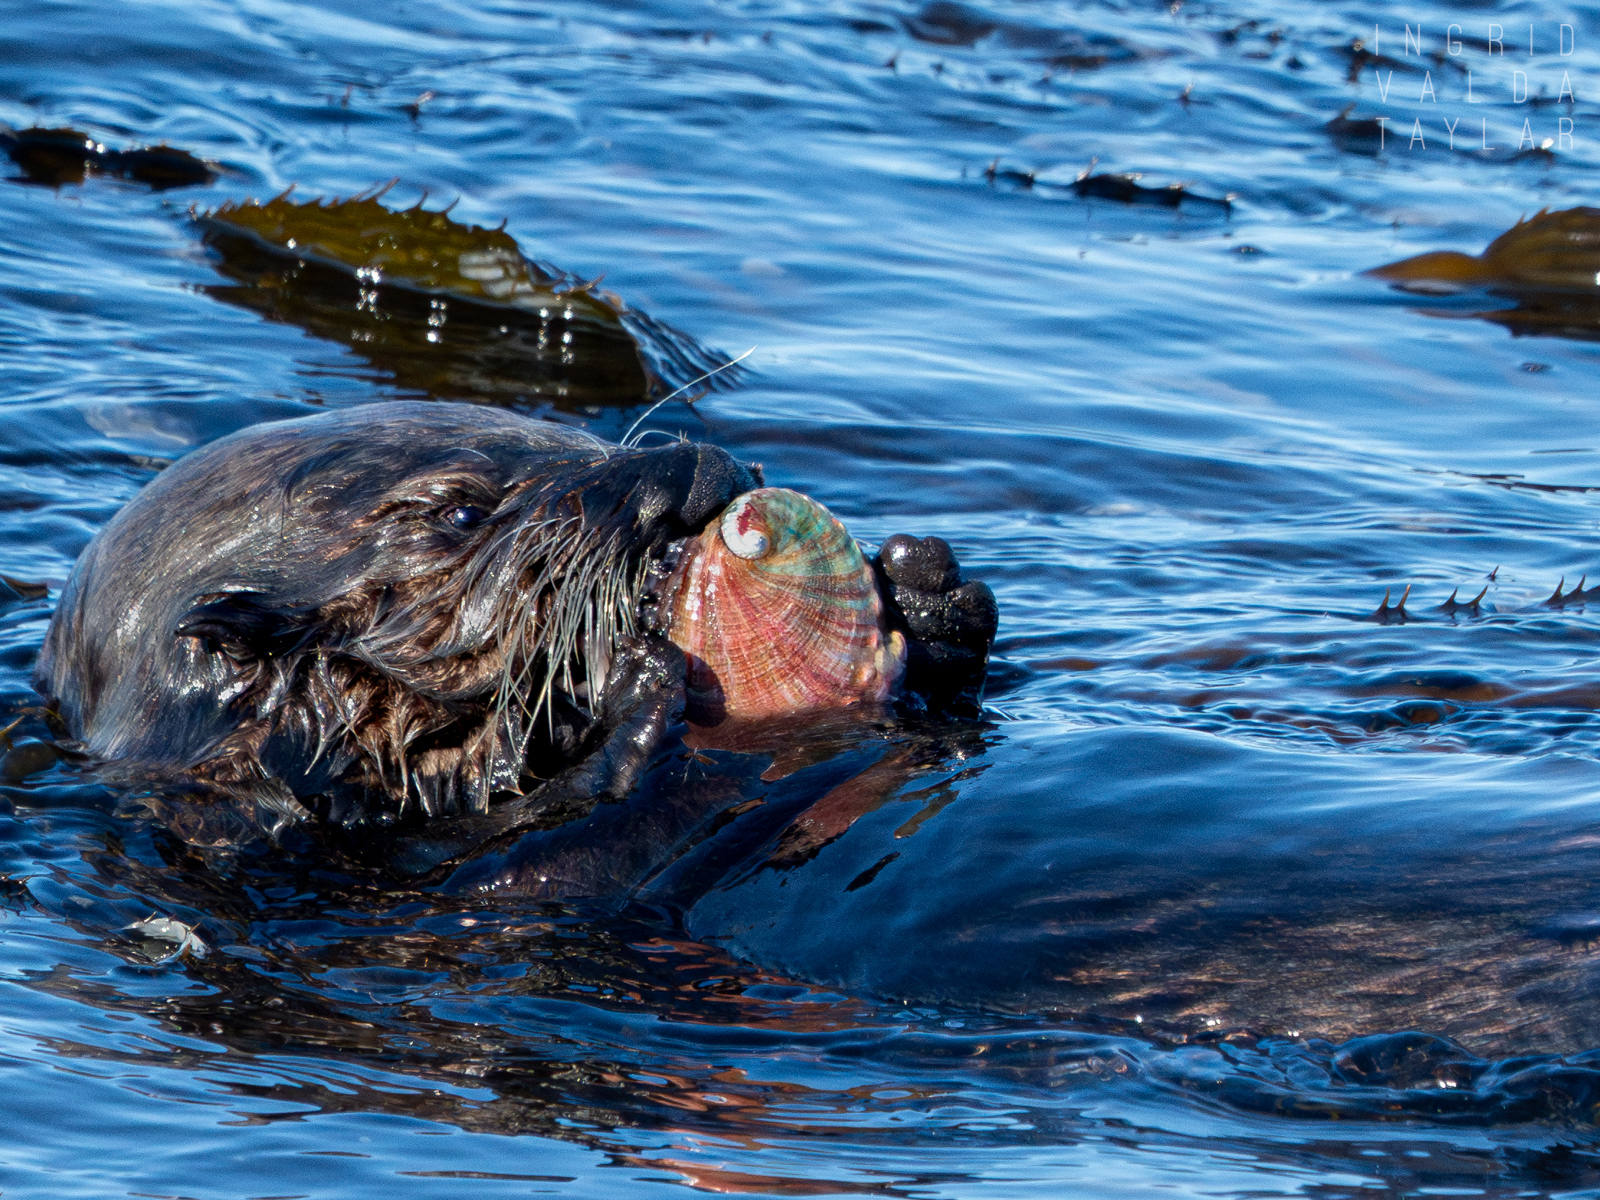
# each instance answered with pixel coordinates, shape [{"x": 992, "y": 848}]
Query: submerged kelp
[
  {"x": 945, "y": 23},
  {"x": 455, "y": 310},
  {"x": 54, "y": 157},
  {"x": 1124, "y": 188},
  {"x": 1550, "y": 265}
]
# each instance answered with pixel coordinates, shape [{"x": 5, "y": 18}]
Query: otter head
[{"x": 392, "y": 606}]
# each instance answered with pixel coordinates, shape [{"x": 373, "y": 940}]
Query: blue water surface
[{"x": 1230, "y": 893}]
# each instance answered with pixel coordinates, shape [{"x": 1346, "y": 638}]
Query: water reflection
[{"x": 323, "y": 994}]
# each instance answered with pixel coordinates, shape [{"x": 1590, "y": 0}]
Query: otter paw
[
  {"x": 643, "y": 696},
  {"x": 949, "y": 624}
]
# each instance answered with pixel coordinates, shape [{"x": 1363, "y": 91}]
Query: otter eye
[
  {"x": 465, "y": 516},
  {"x": 742, "y": 530}
]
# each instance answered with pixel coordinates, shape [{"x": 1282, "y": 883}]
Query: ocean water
[{"x": 1232, "y": 891}]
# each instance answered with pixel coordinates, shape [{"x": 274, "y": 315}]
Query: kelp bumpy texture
[
  {"x": 451, "y": 309},
  {"x": 417, "y": 616}
]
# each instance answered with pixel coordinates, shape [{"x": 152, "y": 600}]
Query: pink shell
[{"x": 778, "y": 612}]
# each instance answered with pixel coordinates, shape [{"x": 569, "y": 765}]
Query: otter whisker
[
  {"x": 627, "y": 440},
  {"x": 575, "y": 606}
]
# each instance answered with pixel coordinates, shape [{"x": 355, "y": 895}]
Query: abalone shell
[{"x": 779, "y": 612}]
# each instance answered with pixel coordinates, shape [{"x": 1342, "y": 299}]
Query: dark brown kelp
[
  {"x": 1550, "y": 265},
  {"x": 455, "y": 310},
  {"x": 54, "y": 157},
  {"x": 1126, "y": 189}
]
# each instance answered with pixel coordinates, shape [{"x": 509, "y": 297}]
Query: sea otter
[{"x": 424, "y": 626}]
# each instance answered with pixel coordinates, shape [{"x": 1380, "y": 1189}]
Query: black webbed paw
[{"x": 949, "y": 625}]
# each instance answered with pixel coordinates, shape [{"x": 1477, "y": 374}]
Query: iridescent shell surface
[{"x": 778, "y": 612}]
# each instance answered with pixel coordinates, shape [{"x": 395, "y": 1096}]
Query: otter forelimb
[{"x": 644, "y": 695}]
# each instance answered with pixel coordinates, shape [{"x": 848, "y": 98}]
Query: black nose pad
[
  {"x": 717, "y": 480},
  {"x": 688, "y": 485}
]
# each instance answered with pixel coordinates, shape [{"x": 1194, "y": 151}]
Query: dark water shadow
[
  {"x": 1056, "y": 47},
  {"x": 1571, "y": 315}
]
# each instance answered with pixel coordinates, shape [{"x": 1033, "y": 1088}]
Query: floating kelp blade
[
  {"x": 1392, "y": 614},
  {"x": 1554, "y": 250},
  {"x": 455, "y": 310},
  {"x": 1397, "y": 614},
  {"x": 54, "y": 157},
  {"x": 1549, "y": 264},
  {"x": 1452, "y": 606}
]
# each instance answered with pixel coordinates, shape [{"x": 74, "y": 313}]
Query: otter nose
[{"x": 691, "y": 483}]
